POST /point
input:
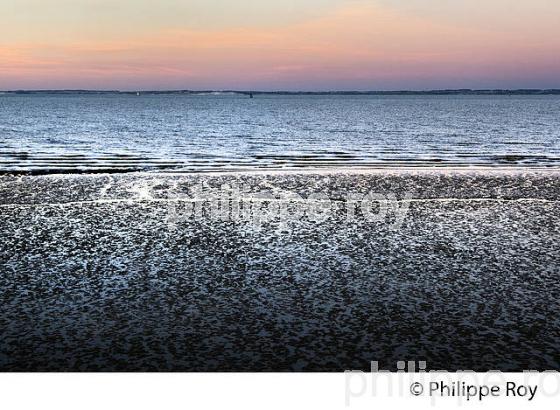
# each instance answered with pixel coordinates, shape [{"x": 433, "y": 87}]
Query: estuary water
[{"x": 57, "y": 133}]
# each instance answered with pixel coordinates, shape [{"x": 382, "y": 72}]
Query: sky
[{"x": 279, "y": 44}]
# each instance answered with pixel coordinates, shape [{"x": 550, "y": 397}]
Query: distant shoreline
[{"x": 249, "y": 92}]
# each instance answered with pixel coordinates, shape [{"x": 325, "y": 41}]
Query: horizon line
[{"x": 249, "y": 91}]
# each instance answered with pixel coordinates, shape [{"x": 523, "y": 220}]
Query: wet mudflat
[{"x": 117, "y": 273}]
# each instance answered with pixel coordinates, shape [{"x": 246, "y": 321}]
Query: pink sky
[{"x": 314, "y": 45}]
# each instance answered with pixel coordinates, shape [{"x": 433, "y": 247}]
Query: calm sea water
[{"x": 70, "y": 133}]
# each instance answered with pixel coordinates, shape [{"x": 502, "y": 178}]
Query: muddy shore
[{"x": 121, "y": 273}]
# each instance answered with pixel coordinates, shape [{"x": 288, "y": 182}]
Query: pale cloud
[{"x": 106, "y": 19}]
